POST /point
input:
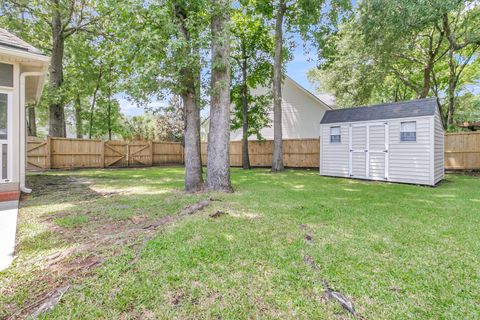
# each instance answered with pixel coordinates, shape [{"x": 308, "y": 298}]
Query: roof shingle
[
  {"x": 404, "y": 109},
  {"x": 9, "y": 40}
]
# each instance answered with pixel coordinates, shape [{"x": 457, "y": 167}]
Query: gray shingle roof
[
  {"x": 404, "y": 109},
  {"x": 9, "y": 40}
]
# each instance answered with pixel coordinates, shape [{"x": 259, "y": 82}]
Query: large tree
[
  {"x": 313, "y": 20},
  {"x": 392, "y": 50},
  {"x": 162, "y": 43},
  {"x": 218, "y": 149},
  {"x": 252, "y": 46},
  {"x": 60, "y": 19}
]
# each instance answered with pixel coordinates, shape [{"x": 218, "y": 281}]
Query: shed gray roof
[
  {"x": 404, "y": 109},
  {"x": 9, "y": 40}
]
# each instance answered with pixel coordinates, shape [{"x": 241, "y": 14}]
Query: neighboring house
[
  {"x": 22, "y": 76},
  {"x": 300, "y": 113},
  {"x": 398, "y": 142}
]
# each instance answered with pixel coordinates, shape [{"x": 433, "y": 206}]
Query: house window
[
  {"x": 335, "y": 135},
  {"x": 6, "y": 75},
  {"x": 408, "y": 131}
]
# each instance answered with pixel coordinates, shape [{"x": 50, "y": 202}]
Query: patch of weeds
[{"x": 71, "y": 221}]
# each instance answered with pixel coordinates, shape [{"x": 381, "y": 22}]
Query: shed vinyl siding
[
  {"x": 377, "y": 137},
  {"x": 409, "y": 161},
  {"x": 377, "y": 166},
  {"x": 358, "y": 164},
  {"x": 376, "y": 147},
  {"x": 439, "y": 146},
  {"x": 334, "y": 156}
]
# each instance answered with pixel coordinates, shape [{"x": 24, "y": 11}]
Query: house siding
[
  {"x": 300, "y": 114},
  {"x": 439, "y": 145},
  {"x": 14, "y": 130}
]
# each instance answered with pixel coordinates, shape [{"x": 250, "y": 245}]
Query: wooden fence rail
[
  {"x": 64, "y": 153},
  {"x": 462, "y": 152}
]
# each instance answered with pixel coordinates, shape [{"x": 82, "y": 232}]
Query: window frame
[
  {"x": 9, "y": 140},
  {"x": 13, "y": 76},
  {"x": 407, "y": 139},
  {"x": 333, "y": 140}
]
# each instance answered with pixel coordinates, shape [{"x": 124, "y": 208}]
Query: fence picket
[{"x": 462, "y": 152}]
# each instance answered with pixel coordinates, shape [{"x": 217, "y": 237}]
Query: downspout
[{"x": 23, "y": 131}]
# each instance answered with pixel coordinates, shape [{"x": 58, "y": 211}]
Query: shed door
[
  {"x": 377, "y": 151},
  {"x": 358, "y": 151}
]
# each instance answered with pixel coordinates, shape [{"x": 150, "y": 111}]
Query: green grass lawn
[{"x": 397, "y": 251}]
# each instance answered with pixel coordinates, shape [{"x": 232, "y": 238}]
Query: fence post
[
  {"x": 151, "y": 153},
  {"x": 128, "y": 154},
  {"x": 48, "y": 153},
  {"x": 103, "y": 153}
]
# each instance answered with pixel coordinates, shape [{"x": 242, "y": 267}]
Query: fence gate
[
  {"x": 123, "y": 154},
  {"x": 139, "y": 154},
  {"x": 38, "y": 151},
  {"x": 115, "y": 154}
]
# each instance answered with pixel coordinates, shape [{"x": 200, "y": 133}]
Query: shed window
[
  {"x": 6, "y": 75},
  {"x": 335, "y": 135},
  {"x": 408, "y": 131}
]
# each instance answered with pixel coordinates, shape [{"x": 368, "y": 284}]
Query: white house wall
[
  {"x": 409, "y": 162},
  {"x": 301, "y": 114},
  {"x": 15, "y": 138}
]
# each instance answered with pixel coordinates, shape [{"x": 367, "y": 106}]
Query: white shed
[{"x": 397, "y": 142}]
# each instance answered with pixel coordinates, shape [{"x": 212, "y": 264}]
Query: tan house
[
  {"x": 301, "y": 111},
  {"x": 22, "y": 75}
]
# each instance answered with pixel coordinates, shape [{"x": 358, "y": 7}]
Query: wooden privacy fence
[
  {"x": 462, "y": 152},
  {"x": 64, "y": 153},
  {"x": 297, "y": 153}
]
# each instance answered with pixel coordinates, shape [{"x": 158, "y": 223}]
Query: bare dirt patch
[{"x": 84, "y": 248}]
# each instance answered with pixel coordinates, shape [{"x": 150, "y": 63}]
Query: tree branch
[
  {"x": 405, "y": 81},
  {"x": 34, "y": 13}
]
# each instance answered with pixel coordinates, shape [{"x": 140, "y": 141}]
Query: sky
[{"x": 297, "y": 69}]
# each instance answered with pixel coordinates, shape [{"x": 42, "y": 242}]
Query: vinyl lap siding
[
  {"x": 334, "y": 156},
  {"x": 377, "y": 166},
  {"x": 358, "y": 164},
  {"x": 410, "y": 161},
  {"x": 439, "y": 149},
  {"x": 377, "y": 137}
]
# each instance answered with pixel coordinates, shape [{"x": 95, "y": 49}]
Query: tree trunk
[
  {"x": 218, "y": 161},
  {"x": 56, "y": 107},
  {"x": 452, "y": 84},
  {"x": 77, "y": 104},
  {"x": 32, "y": 125},
  {"x": 190, "y": 81},
  {"x": 193, "y": 160},
  {"x": 427, "y": 71},
  {"x": 245, "y": 155},
  {"x": 109, "y": 107},
  {"x": 94, "y": 101},
  {"x": 277, "y": 161}
]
